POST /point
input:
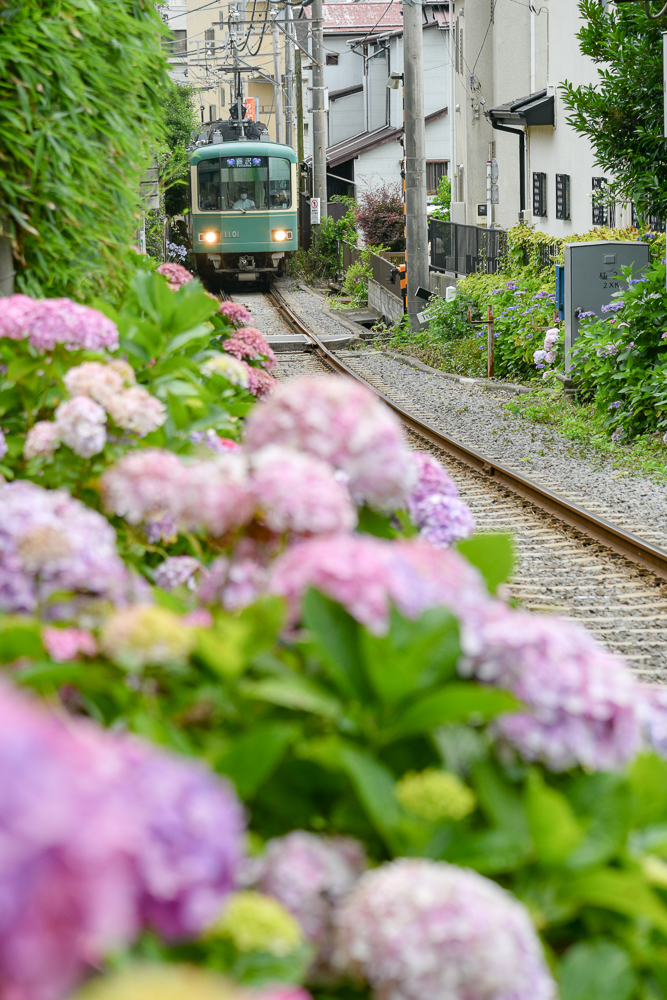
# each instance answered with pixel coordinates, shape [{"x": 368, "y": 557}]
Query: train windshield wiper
[{"x": 244, "y": 210}]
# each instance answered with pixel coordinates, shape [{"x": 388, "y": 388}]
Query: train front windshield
[{"x": 244, "y": 183}]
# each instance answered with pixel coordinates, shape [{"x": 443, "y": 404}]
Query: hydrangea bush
[{"x": 297, "y": 602}]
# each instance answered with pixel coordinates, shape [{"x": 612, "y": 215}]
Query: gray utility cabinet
[{"x": 592, "y": 275}]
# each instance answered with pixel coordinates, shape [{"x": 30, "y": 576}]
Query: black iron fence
[{"x": 466, "y": 249}]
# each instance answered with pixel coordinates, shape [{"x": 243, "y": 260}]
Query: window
[
  {"x": 176, "y": 43},
  {"x": 209, "y": 40},
  {"x": 332, "y": 59},
  {"x": 435, "y": 169},
  {"x": 212, "y": 112},
  {"x": 244, "y": 183},
  {"x": 539, "y": 194},
  {"x": 562, "y": 196}
]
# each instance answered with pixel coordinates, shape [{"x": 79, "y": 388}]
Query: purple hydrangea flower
[
  {"x": 539, "y": 356},
  {"x": 3, "y": 445},
  {"x": 101, "y": 834},
  {"x": 309, "y": 874},
  {"x": 618, "y": 434},
  {"x": 426, "y": 930},
  {"x": 582, "y": 704},
  {"x": 615, "y": 405},
  {"x": 585, "y": 315},
  {"x": 444, "y": 520},
  {"x": 175, "y": 571},
  {"x": 612, "y": 307},
  {"x": 51, "y": 542}
]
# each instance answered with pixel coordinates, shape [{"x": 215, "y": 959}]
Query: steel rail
[{"x": 623, "y": 542}]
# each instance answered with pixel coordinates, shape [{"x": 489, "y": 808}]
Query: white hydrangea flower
[{"x": 229, "y": 367}]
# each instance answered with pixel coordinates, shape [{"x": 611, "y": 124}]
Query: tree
[
  {"x": 181, "y": 120},
  {"x": 380, "y": 216},
  {"x": 622, "y": 114},
  {"x": 442, "y": 200}
]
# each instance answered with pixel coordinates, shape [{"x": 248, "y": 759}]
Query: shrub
[
  {"x": 80, "y": 93},
  {"x": 380, "y": 216},
  {"x": 442, "y": 200}
]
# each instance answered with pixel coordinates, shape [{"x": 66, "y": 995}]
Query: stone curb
[{"x": 482, "y": 383}]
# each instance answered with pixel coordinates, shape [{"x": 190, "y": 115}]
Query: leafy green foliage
[
  {"x": 442, "y": 200},
  {"x": 80, "y": 91},
  {"x": 621, "y": 114},
  {"x": 622, "y": 357},
  {"x": 181, "y": 120}
]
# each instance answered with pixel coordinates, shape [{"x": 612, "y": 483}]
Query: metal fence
[{"x": 466, "y": 249}]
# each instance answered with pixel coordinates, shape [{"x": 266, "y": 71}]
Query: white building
[
  {"x": 510, "y": 60},
  {"x": 363, "y": 45}
]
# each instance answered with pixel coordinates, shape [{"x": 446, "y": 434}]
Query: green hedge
[{"x": 81, "y": 87}]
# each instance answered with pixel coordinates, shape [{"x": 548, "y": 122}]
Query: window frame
[
  {"x": 563, "y": 207},
  {"x": 539, "y": 194},
  {"x": 221, "y": 166},
  {"x": 444, "y": 173}
]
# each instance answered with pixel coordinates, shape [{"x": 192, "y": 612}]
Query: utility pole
[
  {"x": 277, "y": 82},
  {"x": 319, "y": 146},
  {"x": 299, "y": 105},
  {"x": 289, "y": 76},
  {"x": 416, "y": 244}
]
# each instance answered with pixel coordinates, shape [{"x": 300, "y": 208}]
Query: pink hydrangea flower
[
  {"x": 16, "y": 315},
  {"x": 260, "y": 383},
  {"x": 298, "y": 493},
  {"x": 426, "y": 930},
  {"x": 235, "y": 312},
  {"x": 198, "y": 618},
  {"x": 143, "y": 484},
  {"x": 284, "y": 992},
  {"x": 343, "y": 423},
  {"x": 309, "y": 875},
  {"x": 93, "y": 379},
  {"x": 50, "y": 542},
  {"x": 61, "y": 321},
  {"x": 3, "y": 445},
  {"x": 583, "y": 705},
  {"x": 366, "y": 575},
  {"x": 176, "y": 275},
  {"x": 551, "y": 338},
  {"x": 63, "y": 644},
  {"x": 134, "y": 409},
  {"x": 432, "y": 477},
  {"x": 237, "y": 582},
  {"x": 249, "y": 342},
  {"x": 176, "y": 571},
  {"x": 153, "y": 484},
  {"x": 47, "y": 322},
  {"x": 80, "y": 424}
]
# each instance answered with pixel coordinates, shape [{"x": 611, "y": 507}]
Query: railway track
[{"x": 570, "y": 560}]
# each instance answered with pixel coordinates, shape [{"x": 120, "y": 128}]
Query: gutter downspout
[{"x": 522, "y": 163}]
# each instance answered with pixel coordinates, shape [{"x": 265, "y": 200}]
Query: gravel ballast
[{"x": 476, "y": 416}]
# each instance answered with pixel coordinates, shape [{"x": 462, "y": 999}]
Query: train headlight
[
  {"x": 280, "y": 235},
  {"x": 211, "y": 237}
]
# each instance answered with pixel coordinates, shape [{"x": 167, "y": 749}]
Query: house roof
[
  {"x": 335, "y": 95},
  {"x": 535, "y": 109},
  {"x": 360, "y": 18},
  {"x": 349, "y": 149}
]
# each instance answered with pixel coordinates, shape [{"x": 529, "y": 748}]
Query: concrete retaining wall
[{"x": 389, "y": 306}]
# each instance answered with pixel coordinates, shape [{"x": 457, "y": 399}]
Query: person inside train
[
  {"x": 209, "y": 199},
  {"x": 243, "y": 202}
]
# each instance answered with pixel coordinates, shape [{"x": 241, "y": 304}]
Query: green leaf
[
  {"x": 223, "y": 647},
  {"x": 499, "y": 799},
  {"x": 623, "y": 892},
  {"x": 458, "y": 702},
  {"x": 18, "y": 640},
  {"x": 254, "y": 756},
  {"x": 374, "y": 784},
  {"x": 596, "y": 970},
  {"x": 494, "y": 555},
  {"x": 201, "y": 332},
  {"x": 490, "y": 852},
  {"x": 413, "y": 655},
  {"x": 553, "y": 825},
  {"x": 648, "y": 784},
  {"x": 296, "y": 692},
  {"x": 336, "y": 636},
  {"x": 373, "y": 523},
  {"x": 263, "y": 620}
]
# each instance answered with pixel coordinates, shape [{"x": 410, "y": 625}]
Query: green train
[{"x": 243, "y": 196}]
